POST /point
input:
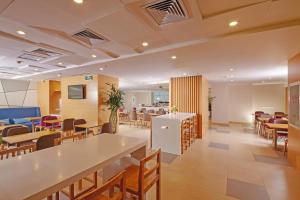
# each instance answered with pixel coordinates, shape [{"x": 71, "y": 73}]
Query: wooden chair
[
  {"x": 185, "y": 135},
  {"x": 97, "y": 194},
  {"x": 140, "y": 179},
  {"x": 6, "y": 153},
  {"x": 47, "y": 141},
  {"x": 67, "y": 127},
  {"x": 106, "y": 128},
  {"x": 70, "y": 192}
]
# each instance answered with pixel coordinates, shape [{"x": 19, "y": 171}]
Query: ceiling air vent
[
  {"x": 39, "y": 55},
  {"x": 167, "y": 11},
  {"x": 90, "y": 37}
]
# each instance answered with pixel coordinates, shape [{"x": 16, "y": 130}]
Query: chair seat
[{"x": 132, "y": 179}]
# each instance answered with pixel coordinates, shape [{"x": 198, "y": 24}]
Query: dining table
[
  {"x": 277, "y": 127},
  {"x": 40, "y": 174},
  {"x": 88, "y": 126},
  {"x": 19, "y": 139}
]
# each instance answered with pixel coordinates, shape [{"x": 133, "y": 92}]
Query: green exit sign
[{"x": 88, "y": 77}]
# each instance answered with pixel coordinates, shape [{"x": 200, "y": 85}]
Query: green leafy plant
[
  {"x": 174, "y": 109},
  {"x": 114, "y": 101}
]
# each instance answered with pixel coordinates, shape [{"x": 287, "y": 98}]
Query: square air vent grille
[
  {"x": 88, "y": 36},
  {"x": 167, "y": 11},
  {"x": 39, "y": 55}
]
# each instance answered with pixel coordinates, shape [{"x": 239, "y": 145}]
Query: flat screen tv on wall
[{"x": 76, "y": 92}]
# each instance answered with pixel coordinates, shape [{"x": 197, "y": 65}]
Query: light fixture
[
  {"x": 21, "y": 32},
  {"x": 231, "y": 69},
  {"x": 173, "y": 57},
  {"x": 101, "y": 69},
  {"x": 60, "y": 63},
  {"x": 145, "y": 44},
  {"x": 58, "y": 75},
  {"x": 78, "y": 1},
  {"x": 233, "y": 23},
  {"x": 94, "y": 56},
  {"x": 36, "y": 69},
  {"x": 184, "y": 74}
]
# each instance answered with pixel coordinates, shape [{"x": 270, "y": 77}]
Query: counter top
[{"x": 176, "y": 116}]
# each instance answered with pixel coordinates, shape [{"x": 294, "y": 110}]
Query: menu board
[{"x": 294, "y": 91}]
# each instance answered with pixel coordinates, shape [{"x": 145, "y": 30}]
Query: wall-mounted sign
[
  {"x": 88, "y": 77},
  {"x": 294, "y": 105}
]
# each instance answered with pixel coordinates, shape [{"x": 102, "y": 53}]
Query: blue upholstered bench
[{"x": 18, "y": 115}]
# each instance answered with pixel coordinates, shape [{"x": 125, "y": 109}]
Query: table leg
[
  {"x": 275, "y": 139},
  {"x": 140, "y": 153},
  {"x": 33, "y": 128},
  {"x": 86, "y": 132}
]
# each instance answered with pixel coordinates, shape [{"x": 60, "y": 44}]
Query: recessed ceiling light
[
  {"x": 60, "y": 63},
  {"x": 101, "y": 69},
  {"x": 233, "y": 23},
  {"x": 145, "y": 44},
  {"x": 58, "y": 75},
  {"x": 173, "y": 57},
  {"x": 36, "y": 69},
  {"x": 94, "y": 56},
  {"x": 21, "y": 32},
  {"x": 78, "y": 1},
  {"x": 231, "y": 69},
  {"x": 184, "y": 74}
]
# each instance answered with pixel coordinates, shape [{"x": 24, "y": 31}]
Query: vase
[{"x": 113, "y": 119}]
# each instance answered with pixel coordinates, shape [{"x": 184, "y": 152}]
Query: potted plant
[{"x": 114, "y": 102}]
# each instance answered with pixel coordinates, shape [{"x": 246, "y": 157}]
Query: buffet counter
[{"x": 166, "y": 132}]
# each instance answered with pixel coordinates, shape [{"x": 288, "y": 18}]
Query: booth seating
[{"x": 19, "y": 115}]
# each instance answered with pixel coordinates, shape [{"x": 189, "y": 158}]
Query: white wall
[
  {"x": 134, "y": 98},
  {"x": 220, "y": 112},
  {"x": 237, "y": 101}
]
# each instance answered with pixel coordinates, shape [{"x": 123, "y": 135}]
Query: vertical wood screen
[{"x": 188, "y": 95}]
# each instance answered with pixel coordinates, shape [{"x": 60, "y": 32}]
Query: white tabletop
[
  {"x": 34, "y": 175},
  {"x": 176, "y": 116}
]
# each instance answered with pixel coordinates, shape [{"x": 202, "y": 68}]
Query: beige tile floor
[{"x": 202, "y": 172}]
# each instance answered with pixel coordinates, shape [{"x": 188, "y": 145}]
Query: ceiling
[{"x": 195, "y": 31}]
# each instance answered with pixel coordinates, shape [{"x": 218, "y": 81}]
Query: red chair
[{"x": 44, "y": 125}]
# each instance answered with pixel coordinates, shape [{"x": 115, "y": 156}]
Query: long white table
[{"x": 42, "y": 173}]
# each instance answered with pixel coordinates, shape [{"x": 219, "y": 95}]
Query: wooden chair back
[
  {"x": 5, "y": 130},
  {"x": 106, "y": 128},
  {"x": 47, "y": 141},
  {"x": 149, "y": 176},
  {"x": 18, "y": 131},
  {"x": 6, "y": 153},
  {"x": 119, "y": 180}
]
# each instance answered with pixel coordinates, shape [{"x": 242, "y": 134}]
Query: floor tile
[
  {"x": 219, "y": 145},
  {"x": 271, "y": 160},
  {"x": 246, "y": 191},
  {"x": 168, "y": 157}
]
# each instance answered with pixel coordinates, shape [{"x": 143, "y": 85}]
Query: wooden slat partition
[{"x": 190, "y": 94}]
